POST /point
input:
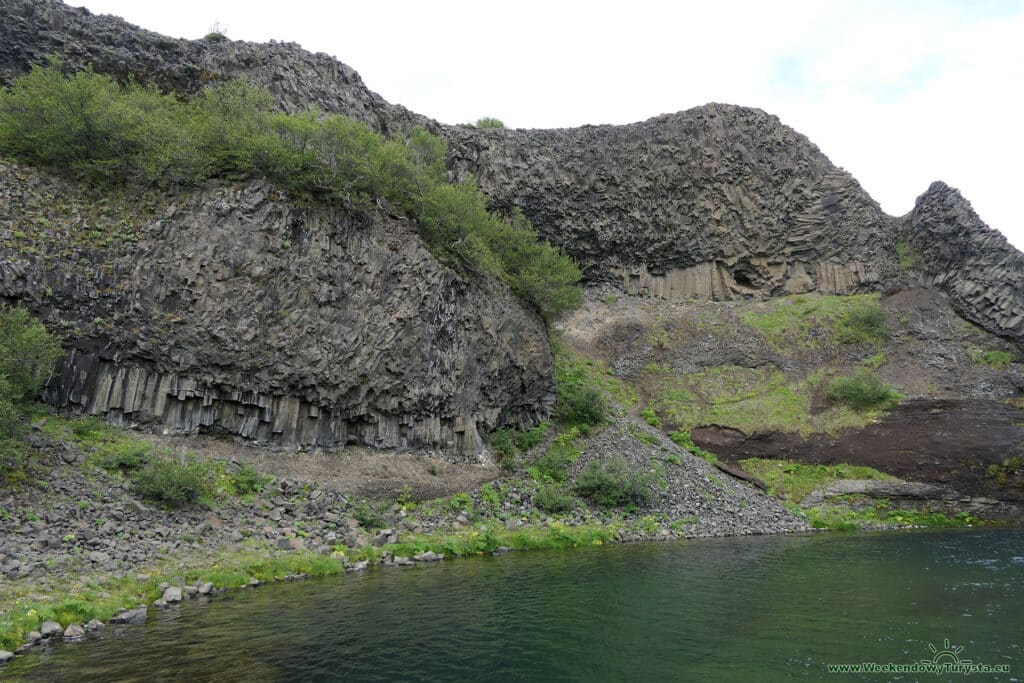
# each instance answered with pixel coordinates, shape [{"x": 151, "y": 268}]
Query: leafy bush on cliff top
[
  {"x": 108, "y": 133},
  {"x": 489, "y": 122}
]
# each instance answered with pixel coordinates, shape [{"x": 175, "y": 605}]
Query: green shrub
[
  {"x": 248, "y": 480},
  {"x": 554, "y": 464},
  {"x": 89, "y": 124},
  {"x": 509, "y": 444},
  {"x": 612, "y": 484},
  {"x": 123, "y": 455},
  {"x": 13, "y": 458},
  {"x": 173, "y": 483},
  {"x": 504, "y": 444},
  {"x": 580, "y": 403},
  {"x": 650, "y": 417},
  {"x": 552, "y": 498},
  {"x": 369, "y": 516},
  {"x": 489, "y": 122},
  {"x": 994, "y": 359},
  {"x": 863, "y": 321},
  {"x": 27, "y": 355},
  {"x": 527, "y": 439},
  {"x": 864, "y": 390}
]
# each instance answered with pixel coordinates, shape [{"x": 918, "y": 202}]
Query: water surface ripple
[{"x": 756, "y": 608}]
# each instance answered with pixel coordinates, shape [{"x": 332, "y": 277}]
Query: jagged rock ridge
[{"x": 982, "y": 273}]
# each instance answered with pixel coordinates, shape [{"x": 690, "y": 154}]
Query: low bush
[
  {"x": 579, "y": 402},
  {"x": 554, "y": 464},
  {"x": 864, "y": 390},
  {"x": 125, "y": 456},
  {"x": 509, "y": 444},
  {"x": 369, "y": 516},
  {"x": 173, "y": 483},
  {"x": 612, "y": 484},
  {"x": 552, "y": 498},
  {"x": 88, "y": 124},
  {"x": 650, "y": 417},
  {"x": 489, "y": 122},
  {"x": 993, "y": 358},
  {"x": 863, "y": 321},
  {"x": 27, "y": 356},
  {"x": 248, "y": 480}
]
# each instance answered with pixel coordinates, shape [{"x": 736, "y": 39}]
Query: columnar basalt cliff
[
  {"x": 236, "y": 310},
  {"x": 981, "y": 272},
  {"x": 715, "y": 202}
]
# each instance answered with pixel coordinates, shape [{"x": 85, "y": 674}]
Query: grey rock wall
[
  {"x": 974, "y": 264},
  {"x": 718, "y": 201},
  {"x": 32, "y": 29},
  {"x": 234, "y": 310}
]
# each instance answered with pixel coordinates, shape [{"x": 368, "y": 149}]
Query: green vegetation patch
[
  {"x": 554, "y": 499},
  {"x": 844, "y": 517},
  {"x": 1008, "y": 473},
  {"x": 28, "y": 354},
  {"x": 115, "y": 135},
  {"x": 510, "y": 443},
  {"x": 612, "y": 483},
  {"x": 993, "y": 358},
  {"x": 908, "y": 257},
  {"x": 576, "y": 379},
  {"x": 553, "y": 465},
  {"x": 489, "y": 122},
  {"x": 793, "y": 481},
  {"x": 174, "y": 483},
  {"x": 749, "y": 399},
  {"x": 808, "y": 320},
  {"x": 683, "y": 438},
  {"x": 863, "y": 391}
]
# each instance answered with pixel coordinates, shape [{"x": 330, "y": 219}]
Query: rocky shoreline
[
  {"x": 78, "y": 525},
  {"x": 80, "y": 529}
]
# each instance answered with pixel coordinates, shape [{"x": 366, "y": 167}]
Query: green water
[{"x": 743, "y": 609}]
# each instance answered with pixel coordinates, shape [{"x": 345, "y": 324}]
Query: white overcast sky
[{"x": 898, "y": 92}]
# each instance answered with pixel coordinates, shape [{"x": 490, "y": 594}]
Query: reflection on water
[{"x": 769, "y": 608}]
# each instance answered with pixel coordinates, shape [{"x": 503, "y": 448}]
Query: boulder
[
  {"x": 51, "y": 629},
  {"x": 131, "y": 616}
]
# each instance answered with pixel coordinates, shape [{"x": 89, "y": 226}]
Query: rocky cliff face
[
  {"x": 982, "y": 273},
  {"x": 353, "y": 332},
  {"x": 233, "y": 309},
  {"x": 298, "y": 79},
  {"x": 715, "y": 202}
]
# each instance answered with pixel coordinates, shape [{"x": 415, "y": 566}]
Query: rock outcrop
[
  {"x": 32, "y": 30},
  {"x": 234, "y": 310},
  {"x": 982, "y": 273},
  {"x": 237, "y": 310},
  {"x": 715, "y": 202}
]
